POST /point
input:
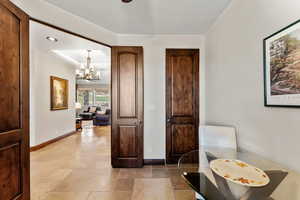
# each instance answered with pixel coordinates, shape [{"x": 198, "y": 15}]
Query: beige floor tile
[
  {"x": 178, "y": 183},
  {"x": 66, "y": 196},
  {"x": 153, "y": 195},
  {"x": 126, "y": 173},
  {"x": 123, "y": 184},
  {"x": 36, "y": 195},
  {"x": 184, "y": 194},
  {"x": 79, "y": 168},
  {"x": 86, "y": 180},
  {"x": 145, "y": 172},
  {"x": 172, "y": 166},
  {"x": 136, "y": 173},
  {"x": 48, "y": 183},
  {"x": 152, "y": 184},
  {"x": 174, "y": 172},
  {"x": 102, "y": 164},
  {"x": 160, "y": 173},
  {"x": 116, "y": 195},
  {"x": 152, "y": 189}
]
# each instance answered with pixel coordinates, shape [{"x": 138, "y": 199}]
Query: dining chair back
[{"x": 218, "y": 136}]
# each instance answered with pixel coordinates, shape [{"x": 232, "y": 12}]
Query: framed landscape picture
[
  {"x": 282, "y": 67},
  {"x": 59, "y": 93}
]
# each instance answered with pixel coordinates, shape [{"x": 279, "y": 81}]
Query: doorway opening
[{"x": 70, "y": 110}]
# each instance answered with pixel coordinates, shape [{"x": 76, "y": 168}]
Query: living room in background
[
  {"x": 94, "y": 98},
  {"x": 56, "y": 53}
]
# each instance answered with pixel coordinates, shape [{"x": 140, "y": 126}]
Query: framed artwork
[
  {"x": 59, "y": 93},
  {"x": 282, "y": 67}
]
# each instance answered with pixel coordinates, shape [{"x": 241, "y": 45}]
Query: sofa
[
  {"x": 90, "y": 113},
  {"x": 102, "y": 119}
]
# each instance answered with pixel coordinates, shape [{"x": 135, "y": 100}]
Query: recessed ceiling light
[
  {"x": 126, "y": 1},
  {"x": 52, "y": 39}
]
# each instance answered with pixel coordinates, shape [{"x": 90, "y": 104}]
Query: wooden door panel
[
  {"x": 127, "y": 84},
  {"x": 183, "y": 138},
  {"x": 9, "y": 70},
  {"x": 182, "y": 102},
  {"x": 14, "y": 103},
  {"x": 127, "y": 107},
  {"x": 10, "y": 171},
  {"x": 182, "y": 82},
  {"x": 128, "y": 141}
]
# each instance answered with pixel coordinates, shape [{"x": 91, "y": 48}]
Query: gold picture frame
[{"x": 59, "y": 92}]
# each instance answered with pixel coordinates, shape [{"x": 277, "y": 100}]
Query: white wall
[
  {"x": 234, "y": 79},
  {"x": 154, "y": 84},
  {"x": 154, "y": 64},
  {"x": 44, "y": 123}
]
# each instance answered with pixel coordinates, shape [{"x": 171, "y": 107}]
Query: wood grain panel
[
  {"x": 182, "y": 102},
  {"x": 9, "y": 70},
  {"x": 183, "y": 139},
  {"x": 10, "y": 171},
  {"x": 127, "y": 84},
  {"x": 14, "y": 103},
  {"x": 128, "y": 141},
  {"x": 182, "y": 84}
]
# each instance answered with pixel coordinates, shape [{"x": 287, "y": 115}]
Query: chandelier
[{"x": 88, "y": 72}]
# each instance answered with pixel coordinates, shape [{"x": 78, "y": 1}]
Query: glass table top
[{"x": 194, "y": 167}]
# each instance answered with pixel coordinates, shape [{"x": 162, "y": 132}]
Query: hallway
[{"x": 78, "y": 168}]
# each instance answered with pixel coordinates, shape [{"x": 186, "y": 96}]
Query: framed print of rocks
[{"x": 282, "y": 67}]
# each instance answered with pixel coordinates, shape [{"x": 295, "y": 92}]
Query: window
[
  {"x": 93, "y": 97},
  {"x": 85, "y": 97},
  {"x": 102, "y": 99}
]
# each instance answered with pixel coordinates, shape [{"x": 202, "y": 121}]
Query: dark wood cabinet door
[
  {"x": 182, "y": 102},
  {"x": 127, "y": 107},
  {"x": 14, "y": 103}
]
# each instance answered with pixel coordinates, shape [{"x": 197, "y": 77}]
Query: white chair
[{"x": 218, "y": 136}]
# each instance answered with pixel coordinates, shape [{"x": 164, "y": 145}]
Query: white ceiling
[
  {"x": 100, "y": 59},
  {"x": 148, "y": 16},
  {"x": 71, "y": 48}
]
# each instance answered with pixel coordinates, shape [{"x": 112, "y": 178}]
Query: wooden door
[
  {"x": 182, "y": 102},
  {"x": 14, "y": 103},
  {"x": 127, "y": 107}
]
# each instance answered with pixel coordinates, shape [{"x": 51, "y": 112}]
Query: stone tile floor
[{"x": 78, "y": 168}]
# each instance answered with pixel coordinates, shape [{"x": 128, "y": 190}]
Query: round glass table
[{"x": 195, "y": 170}]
